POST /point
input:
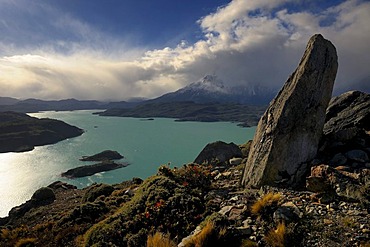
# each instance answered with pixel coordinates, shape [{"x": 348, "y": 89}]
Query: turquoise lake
[{"x": 145, "y": 144}]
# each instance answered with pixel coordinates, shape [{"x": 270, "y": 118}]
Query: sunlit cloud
[{"x": 244, "y": 43}]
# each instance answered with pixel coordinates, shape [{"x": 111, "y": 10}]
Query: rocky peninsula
[
  {"x": 20, "y": 132},
  {"x": 322, "y": 201}
]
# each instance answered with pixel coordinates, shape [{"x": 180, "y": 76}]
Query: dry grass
[
  {"x": 276, "y": 238},
  {"x": 159, "y": 240},
  {"x": 348, "y": 222},
  {"x": 267, "y": 200},
  {"x": 209, "y": 236},
  {"x": 26, "y": 242},
  {"x": 248, "y": 243}
]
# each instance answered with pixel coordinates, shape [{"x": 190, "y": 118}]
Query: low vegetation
[
  {"x": 160, "y": 240},
  {"x": 267, "y": 203},
  {"x": 276, "y": 237}
]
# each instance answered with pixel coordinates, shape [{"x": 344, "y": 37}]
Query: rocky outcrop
[
  {"x": 288, "y": 133},
  {"x": 217, "y": 153},
  {"x": 342, "y": 165},
  {"x": 88, "y": 170},
  {"x": 105, "y": 155}
]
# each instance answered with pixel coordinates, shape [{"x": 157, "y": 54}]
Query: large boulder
[
  {"x": 288, "y": 134},
  {"x": 219, "y": 152}
]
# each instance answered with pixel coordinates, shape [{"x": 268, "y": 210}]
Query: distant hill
[
  {"x": 190, "y": 111},
  {"x": 20, "y": 132},
  {"x": 8, "y": 101},
  {"x": 35, "y": 105}
]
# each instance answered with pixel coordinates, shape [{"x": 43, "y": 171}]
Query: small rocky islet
[
  {"x": 107, "y": 163},
  {"x": 320, "y": 198}
]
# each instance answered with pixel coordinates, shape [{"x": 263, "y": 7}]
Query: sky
[{"x": 120, "y": 49}]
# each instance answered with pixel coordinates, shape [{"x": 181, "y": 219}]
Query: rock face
[
  {"x": 218, "y": 153},
  {"x": 289, "y": 132}
]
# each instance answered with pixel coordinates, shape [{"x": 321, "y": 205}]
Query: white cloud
[{"x": 245, "y": 42}]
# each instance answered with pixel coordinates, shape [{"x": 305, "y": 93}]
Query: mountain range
[
  {"x": 207, "y": 100},
  {"x": 209, "y": 89}
]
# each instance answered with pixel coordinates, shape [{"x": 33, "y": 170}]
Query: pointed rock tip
[{"x": 317, "y": 38}]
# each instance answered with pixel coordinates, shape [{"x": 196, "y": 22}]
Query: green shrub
[{"x": 160, "y": 203}]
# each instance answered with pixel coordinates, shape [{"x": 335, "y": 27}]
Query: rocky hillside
[{"x": 20, "y": 132}]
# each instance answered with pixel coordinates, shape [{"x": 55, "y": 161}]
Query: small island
[
  {"x": 105, "y": 155},
  {"x": 88, "y": 170},
  {"x": 20, "y": 132},
  {"x": 106, "y": 164}
]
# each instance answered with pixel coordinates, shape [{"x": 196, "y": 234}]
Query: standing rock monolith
[{"x": 288, "y": 133}]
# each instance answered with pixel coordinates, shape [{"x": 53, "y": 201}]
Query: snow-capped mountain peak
[
  {"x": 209, "y": 83},
  {"x": 210, "y": 89}
]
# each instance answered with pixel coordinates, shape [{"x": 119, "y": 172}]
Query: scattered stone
[
  {"x": 287, "y": 212},
  {"x": 338, "y": 160},
  {"x": 225, "y": 210},
  {"x": 285, "y": 138},
  {"x": 235, "y": 161},
  {"x": 357, "y": 155}
]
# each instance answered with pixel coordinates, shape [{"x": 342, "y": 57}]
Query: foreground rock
[
  {"x": 20, "y": 132},
  {"x": 105, "y": 155},
  {"x": 88, "y": 170},
  {"x": 288, "y": 133}
]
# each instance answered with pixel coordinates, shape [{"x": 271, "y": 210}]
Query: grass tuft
[
  {"x": 160, "y": 240},
  {"x": 248, "y": 243},
  {"x": 26, "y": 242},
  {"x": 265, "y": 202},
  {"x": 276, "y": 238}
]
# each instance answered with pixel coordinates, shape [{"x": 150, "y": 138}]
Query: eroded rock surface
[{"x": 289, "y": 132}]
